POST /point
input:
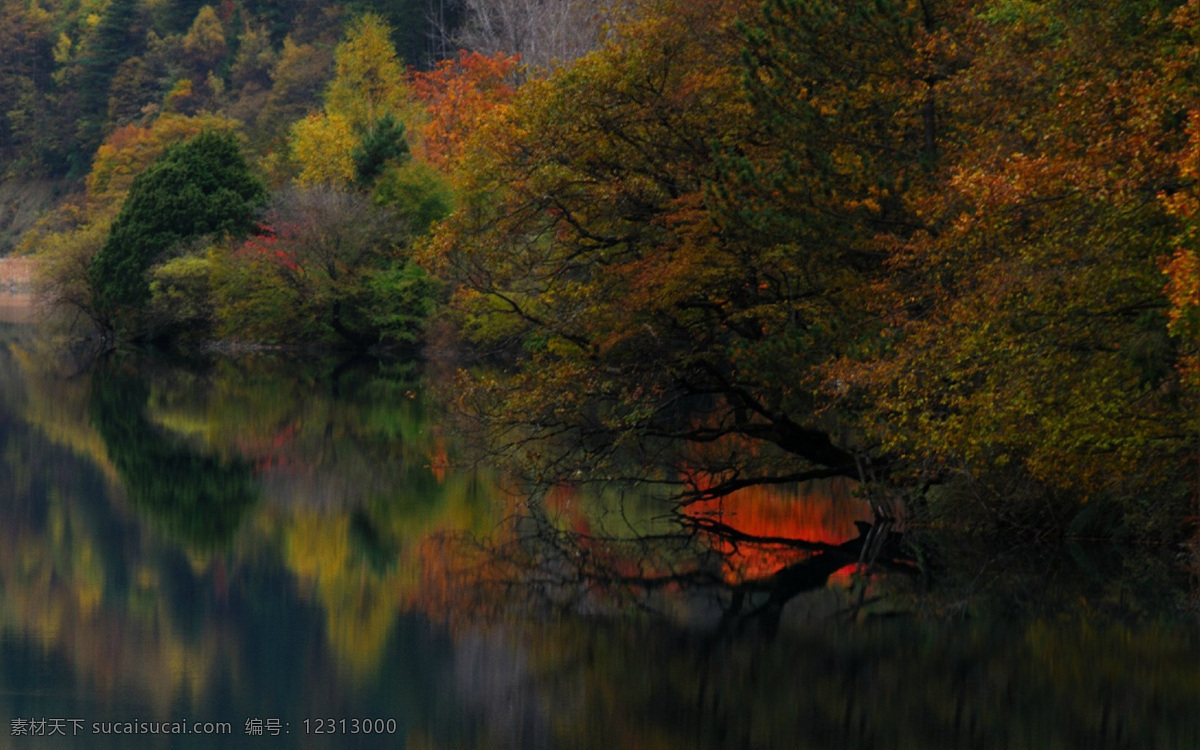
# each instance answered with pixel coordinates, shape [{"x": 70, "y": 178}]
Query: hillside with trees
[{"x": 947, "y": 248}]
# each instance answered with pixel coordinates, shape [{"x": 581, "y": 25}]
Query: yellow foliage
[
  {"x": 179, "y": 95},
  {"x": 205, "y": 40},
  {"x": 63, "y": 257},
  {"x": 322, "y": 147},
  {"x": 62, "y": 49},
  {"x": 369, "y": 85},
  {"x": 370, "y": 80}
]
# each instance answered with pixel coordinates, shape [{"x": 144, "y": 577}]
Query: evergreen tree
[
  {"x": 182, "y": 13},
  {"x": 116, "y": 39},
  {"x": 383, "y": 143},
  {"x": 200, "y": 187}
]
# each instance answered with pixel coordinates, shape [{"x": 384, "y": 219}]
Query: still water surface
[{"x": 273, "y": 544}]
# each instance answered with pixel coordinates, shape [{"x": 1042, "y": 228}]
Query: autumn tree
[
  {"x": 323, "y": 144},
  {"x": 204, "y": 44},
  {"x": 876, "y": 247},
  {"x": 1025, "y": 322},
  {"x": 369, "y": 79},
  {"x": 130, "y": 150},
  {"x": 365, "y": 108},
  {"x": 457, "y": 94},
  {"x": 1183, "y": 270},
  {"x": 592, "y": 238}
]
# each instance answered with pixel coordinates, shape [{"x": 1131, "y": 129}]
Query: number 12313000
[{"x": 350, "y": 726}]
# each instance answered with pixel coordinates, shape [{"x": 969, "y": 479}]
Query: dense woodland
[{"x": 949, "y": 248}]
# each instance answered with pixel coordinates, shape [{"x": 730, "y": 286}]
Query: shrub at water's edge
[{"x": 200, "y": 188}]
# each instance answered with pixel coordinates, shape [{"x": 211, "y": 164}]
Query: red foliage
[{"x": 266, "y": 243}]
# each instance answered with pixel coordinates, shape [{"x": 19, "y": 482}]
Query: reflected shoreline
[{"x": 17, "y": 307}]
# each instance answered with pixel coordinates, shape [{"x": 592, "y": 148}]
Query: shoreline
[
  {"x": 17, "y": 304},
  {"x": 16, "y": 276}
]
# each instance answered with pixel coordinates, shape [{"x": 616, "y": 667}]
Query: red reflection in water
[{"x": 823, "y": 512}]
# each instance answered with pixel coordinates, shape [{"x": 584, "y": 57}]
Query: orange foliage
[
  {"x": 1183, "y": 268},
  {"x": 129, "y": 150},
  {"x": 457, "y": 95}
]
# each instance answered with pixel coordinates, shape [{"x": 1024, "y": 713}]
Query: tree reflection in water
[
  {"x": 196, "y": 499},
  {"x": 569, "y": 558},
  {"x": 644, "y": 639}
]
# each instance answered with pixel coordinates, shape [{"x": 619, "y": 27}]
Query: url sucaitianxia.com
[{"x": 61, "y": 727}]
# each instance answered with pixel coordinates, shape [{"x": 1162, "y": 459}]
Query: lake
[{"x": 267, "y": 551}]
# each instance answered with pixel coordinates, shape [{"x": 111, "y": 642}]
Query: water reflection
[
  {"x": 153, "y": 567},
  {"x": 264, "y": 537},
  {"x": 731, "y": 566},
  {"x": 197, "y": 500},
  {"x": 1047, "y": 684}
]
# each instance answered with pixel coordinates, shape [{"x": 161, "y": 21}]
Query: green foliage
[
  {"x": 417, "y": 192},
  {"x": 400, "y": 299},
  {"x": 197, "y": 188},
  {"x": 383, "y": 144},
  {"x": 117, "y": 38},
  {"x": 253, "y": 302},
  {"x": 181, "y": 297},
  {"x": 195, "y": 499},
  {"x": 334, "y": 270}
]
